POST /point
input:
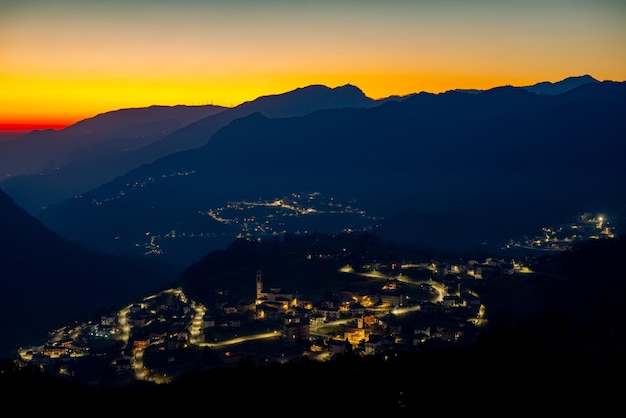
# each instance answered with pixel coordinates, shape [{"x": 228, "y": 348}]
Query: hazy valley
[
  {"x": 458, "y": 170},
  {"x": 135, "y": 201}
]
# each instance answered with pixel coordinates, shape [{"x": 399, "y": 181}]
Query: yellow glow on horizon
[
  {"x": 74, "y": 62},
  {"x": 70, "y": 100}
]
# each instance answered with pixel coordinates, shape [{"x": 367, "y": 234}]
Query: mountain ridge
[
  {"x": 134, "y": 127},
  {"x": 58, "y": 175},
  {"x": 407, "y": 155},
  {"x": 562, "y": 86},
  {"x": 545, "y": 87},
  {"x": 52, "y": 186}
]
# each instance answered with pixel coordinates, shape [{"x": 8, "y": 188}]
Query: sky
[{"x": 62, "y": 61}]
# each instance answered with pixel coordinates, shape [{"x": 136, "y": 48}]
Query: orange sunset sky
[{"x": 62, "y": 61}]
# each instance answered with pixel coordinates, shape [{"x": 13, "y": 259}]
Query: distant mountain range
[
  {"x": 562, "y": 86},
  {"x": 462, "y": 171},
  {"x": 549, "y": 88},
  {"x": 119, "y": 131},
  {"x": 47, "y": 167},
  {"x": 48, "y": 282}
]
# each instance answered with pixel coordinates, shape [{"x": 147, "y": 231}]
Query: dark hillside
[
  {"x": 567, "y": 318},
  {"x": 307, "y": 264},
  {"x": 48, "y": 282}
]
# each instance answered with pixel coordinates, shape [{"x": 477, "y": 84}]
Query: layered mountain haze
[
  {"x": 298, "y": 102},
  {"x": 92, "y": 152},
  {"x": 49, "y": 166},
  {"x": 457, "y": 171},
  {"x": 103, "y": 134}
]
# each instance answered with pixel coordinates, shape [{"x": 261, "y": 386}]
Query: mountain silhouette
[
  {"x": 123, "y": 140},
  {"x": 297, "y": 102},
  {"x": 547, "y": 87},
  {"x": 452, "y": 170},
  {"x": 48, "y": 166},
  {"x": 562, "y": 86},
  {"x": 116, "y": 131},
  {"x": 49, "y": 282}
]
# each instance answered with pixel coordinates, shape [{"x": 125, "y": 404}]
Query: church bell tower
[{"x": 259, "y": 284}]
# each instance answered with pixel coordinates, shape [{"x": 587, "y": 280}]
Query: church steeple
[{"x": 259, "y": 284}]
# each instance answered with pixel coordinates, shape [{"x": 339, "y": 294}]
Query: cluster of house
[{"x": 370, "y": 324}]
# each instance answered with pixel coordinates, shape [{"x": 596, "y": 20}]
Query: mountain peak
[
  {"x": 349, "y": 87},
  {"x": 584, "y": 78},
  {"x": 307, "y": 99},
  {"x": 321, "y": 89},
  {"x": 562, "y": 86}
]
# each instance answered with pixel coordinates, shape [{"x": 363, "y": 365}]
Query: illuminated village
[{"x": 405, "y": 306}]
